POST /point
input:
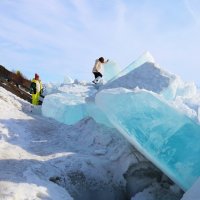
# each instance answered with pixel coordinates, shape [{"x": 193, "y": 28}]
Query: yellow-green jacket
[{"x": 36, "y": 96}]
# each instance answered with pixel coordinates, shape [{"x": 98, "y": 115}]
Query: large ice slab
[
  {"x": 146, "y": 76},
  {"x": 165, "y": 136},
  {"x": 65, "y": 108},
  {"x": 69, "y": 108},
  {"x": 145, "y": 57}
]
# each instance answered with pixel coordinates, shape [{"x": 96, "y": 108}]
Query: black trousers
[{"x": 97, "y": 74}]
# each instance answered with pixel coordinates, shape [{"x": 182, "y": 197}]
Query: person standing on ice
[
  {"x": 97, "y": 69},
  {"x": 36, "y": 89}
]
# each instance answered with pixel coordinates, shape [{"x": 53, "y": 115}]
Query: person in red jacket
[{"x": 97, "y": 69}]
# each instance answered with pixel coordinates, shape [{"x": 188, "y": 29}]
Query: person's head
[
  {"x": 36, "y": 76},
  {"x": 101, "y": 59}
]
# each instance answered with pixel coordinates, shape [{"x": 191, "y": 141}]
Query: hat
[{"x": 36, "y": 76}]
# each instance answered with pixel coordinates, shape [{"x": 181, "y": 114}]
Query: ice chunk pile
[
  {"x": 164, "y": 135},
  {"x": 142, "y": 73},
  {"x": 72, "y": 104},
  {"x": 154, "y": 109},
  {"x": 151, "y": 77}
]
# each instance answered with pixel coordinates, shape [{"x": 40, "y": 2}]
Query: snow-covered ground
[{"x": 44, "y": 159}]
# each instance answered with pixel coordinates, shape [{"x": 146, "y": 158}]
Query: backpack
[{"x": 32, "y": 88}]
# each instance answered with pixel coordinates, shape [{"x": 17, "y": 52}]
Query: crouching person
[{"x": 36, "y": 89}]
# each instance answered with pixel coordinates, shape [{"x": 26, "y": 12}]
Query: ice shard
[
  {"x": 164, "y": 135},
  {"x": 111, "y": 69},
  {"x": 66, "y": 108}
]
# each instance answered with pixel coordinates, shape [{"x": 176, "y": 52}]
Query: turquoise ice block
[{"x": 165, "y": 136}]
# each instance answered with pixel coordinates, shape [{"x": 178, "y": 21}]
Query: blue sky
[{"x": 58, "y": 38}]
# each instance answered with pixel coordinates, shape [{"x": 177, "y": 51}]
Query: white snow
[{"x": 35, "y": 148}]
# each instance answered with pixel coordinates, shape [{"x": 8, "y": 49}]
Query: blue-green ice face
[{"x": 164, "y": 135}]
